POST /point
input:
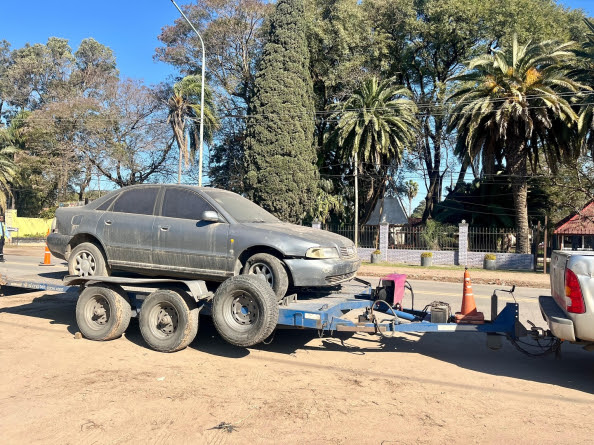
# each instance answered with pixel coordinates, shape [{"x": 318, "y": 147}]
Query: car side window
[
  {"x": 180, "y": 203},
  {"x": 107, "y": 203},
  {"x": 140, "y": 201}
]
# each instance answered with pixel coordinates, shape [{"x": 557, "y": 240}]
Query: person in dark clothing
[{"x": 2, "y": 238}]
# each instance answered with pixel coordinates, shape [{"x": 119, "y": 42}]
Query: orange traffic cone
[
  {"x": 468, "y": 314},
  {"x": 47, "y": 256}
]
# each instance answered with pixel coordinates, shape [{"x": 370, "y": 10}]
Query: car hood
[{"x": 291, "y": 236}]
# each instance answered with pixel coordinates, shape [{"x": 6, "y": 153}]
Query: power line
[{"x": 322, "y": 113}]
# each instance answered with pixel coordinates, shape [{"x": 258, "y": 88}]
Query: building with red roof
[{"x": 576, "y": 232}]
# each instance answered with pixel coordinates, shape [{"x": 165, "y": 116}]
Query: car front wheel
[{"x": 271, "y": 269}]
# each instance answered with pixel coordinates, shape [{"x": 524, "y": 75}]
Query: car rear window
[
  {"x": 181, "y": 203},
  {"x": 140, "y": 201},
  {"x": 107, "y": 203}
]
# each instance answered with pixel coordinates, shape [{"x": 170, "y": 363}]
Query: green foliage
[
  {"x": 184, "y": 104},
  {"x": 326, "y": 203},
  {"x": 427, "y": 255},
  {"x": 279, "y": 154},
  {"x": 510, "y": 105},
  {"x": 436, "y": 234},
  {"x": 48, "y": 213},
  {"x": 490, "y": 256},
  {"x": 376, "y": 124}
]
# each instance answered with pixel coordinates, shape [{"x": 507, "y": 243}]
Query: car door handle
[
  {"x": 108, "y": 222},
  {"x": 164, "y": 228}
]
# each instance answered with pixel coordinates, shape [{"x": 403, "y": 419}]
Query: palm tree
[
  {"x": 411, "y": 188},
  {"x": 375, "y": 125},
  {"x": 184, "y": 114},
  {"x": 9, "y": 147},
  {"x": 511, "y": 105},
  {"x": 585, "y": 74}
]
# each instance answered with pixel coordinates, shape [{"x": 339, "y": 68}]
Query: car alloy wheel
[
  {"x": 85, "y": 265},
  {"x": 264, "y": 271}
]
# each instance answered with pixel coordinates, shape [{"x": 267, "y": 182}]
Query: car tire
[
  {"x": 87, "y": 260},
  {"x": 245, "y": 310},
  {"x": 103, "y": 312},
  {"x": 168, "y": 320},
  {"x": 270, "y": 268}
]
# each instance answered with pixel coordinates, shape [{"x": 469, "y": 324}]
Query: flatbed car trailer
[{"x": 246, "y": 312}]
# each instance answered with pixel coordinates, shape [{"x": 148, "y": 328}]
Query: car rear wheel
[
  {"x": 87, "y": 260},
  {"x": 271, "y": 269},
  {"x": 244, "y": 310}
]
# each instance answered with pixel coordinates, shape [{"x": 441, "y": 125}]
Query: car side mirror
[{"x": 211, "y": 216}]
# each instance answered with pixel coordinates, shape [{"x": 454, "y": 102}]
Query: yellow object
[{"x": 29, "y": 226}]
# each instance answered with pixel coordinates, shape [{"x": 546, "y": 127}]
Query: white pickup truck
[{"x": 569, "y": 312}]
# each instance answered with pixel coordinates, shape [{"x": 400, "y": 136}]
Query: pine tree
[{"x": 279, "y": 153}]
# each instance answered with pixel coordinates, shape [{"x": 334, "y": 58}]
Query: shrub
[{"x": 427, "y": 255}]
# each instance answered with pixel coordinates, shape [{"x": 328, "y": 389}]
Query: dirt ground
[
  {"x": 299, "y": 389},
  {"x": 410, "y": 389}
]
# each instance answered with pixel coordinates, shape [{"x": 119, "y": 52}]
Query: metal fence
[
  {"x": 402, "y": 237},
  {"x": 368, "y": 235},
  {"x": 423, "y": 238},
  {"x": 490, "y": 239}
]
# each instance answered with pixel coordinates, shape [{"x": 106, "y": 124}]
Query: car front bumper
[
  {"x": 317, "y": 273},
  {"x": 560, "y": 325}
]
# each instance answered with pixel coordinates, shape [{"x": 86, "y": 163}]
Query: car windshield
[{"x": 241, "y": 209}]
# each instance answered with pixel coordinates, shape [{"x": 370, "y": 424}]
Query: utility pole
[{"x": 201, "y": 148}]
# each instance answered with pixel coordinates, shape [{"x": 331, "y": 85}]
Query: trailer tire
[
  {"x": 103, "y": 312},
  {"x": 168, "y": 320},
  {"x": 87, "y": 260},
  {"x": 245, "y": 310},
  {"x": 272, "y": 269}
]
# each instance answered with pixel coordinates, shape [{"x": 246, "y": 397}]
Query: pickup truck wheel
[
  {"x": 168, "y": 320},
  {"x": 272, "y": 269},
  {"x": 245, "y": 310},
  {"x": 86, "y": 260},
  {"x": 103, "y": 312}
]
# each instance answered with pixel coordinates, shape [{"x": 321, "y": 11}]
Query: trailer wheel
[
  {"x": 272, "y": 269},
  {"x": 245, "y": 310},
  {"x": 86, "y": 260},
  {"x": 103, "y": 312},
  {"x": 168, "y": 320}
]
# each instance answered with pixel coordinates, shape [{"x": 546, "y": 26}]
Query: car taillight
[{"x": 573, "y": 293}]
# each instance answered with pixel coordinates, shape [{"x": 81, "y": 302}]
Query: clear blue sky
[{"x": 130, "y": 28}]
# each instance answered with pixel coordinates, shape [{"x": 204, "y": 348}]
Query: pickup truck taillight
[{"x": 573, "y": 293}]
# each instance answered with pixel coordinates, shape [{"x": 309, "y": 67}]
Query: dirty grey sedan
[{"x": 198, "y": 233}]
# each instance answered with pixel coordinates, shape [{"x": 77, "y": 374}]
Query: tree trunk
[{"x": 517, "y": 167}]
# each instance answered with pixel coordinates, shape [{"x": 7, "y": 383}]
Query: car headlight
[{"x": 322, "y": 252}]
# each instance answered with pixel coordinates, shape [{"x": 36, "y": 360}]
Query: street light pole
[{"x": 201, "y": 149}]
